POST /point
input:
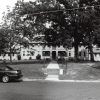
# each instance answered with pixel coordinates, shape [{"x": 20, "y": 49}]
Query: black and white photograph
[{"x": 49, "y": 49}]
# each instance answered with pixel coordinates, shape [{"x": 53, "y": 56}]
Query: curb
[{"x": 70, "y": 81}]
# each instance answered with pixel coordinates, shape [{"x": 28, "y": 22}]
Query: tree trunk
[
  {"x": 10, "y": 58},
  {"x": 91, "y": 53},
  {"x": 76, "y": 52},
  {"x": 10, "y": 54},
  {"x": 91, "y": 47},
  {"x": 76, "y": 43}
]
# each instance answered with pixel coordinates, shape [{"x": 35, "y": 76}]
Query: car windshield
[
  {"x": 9, "y": 68},
  {"x": 6, "y": 68}
]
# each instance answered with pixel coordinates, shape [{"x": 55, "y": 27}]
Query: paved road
[{"x": 49, "y": 91}]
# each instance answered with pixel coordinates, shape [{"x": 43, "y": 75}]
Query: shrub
[{"x": 38, "y": 57}]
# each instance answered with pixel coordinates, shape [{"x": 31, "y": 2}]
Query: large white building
[
  {"x": 38, "y": 50},
  {"x": 45, "y": 52},
  {"x": 96, "y": 53}
]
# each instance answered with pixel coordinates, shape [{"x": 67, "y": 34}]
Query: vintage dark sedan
[{"x": 7, "y": 74}]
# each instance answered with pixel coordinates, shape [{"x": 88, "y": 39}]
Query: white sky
[{"x": 5, "y": 3}]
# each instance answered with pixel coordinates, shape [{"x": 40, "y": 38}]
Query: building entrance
[{"x": 54, "y": 55}]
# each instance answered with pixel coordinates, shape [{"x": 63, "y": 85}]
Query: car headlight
[{"x": 14, "y": 72}]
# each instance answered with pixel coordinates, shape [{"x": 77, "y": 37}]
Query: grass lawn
[
  {"x": 31, "y": 70},
  {"x": 79, "y": 71}
]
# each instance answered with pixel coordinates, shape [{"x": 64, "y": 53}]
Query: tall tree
[
  {"x": 83, "y": 22},
  {"x": 69, "y": 23},
  {"x": 90, "y": 22},
  {"x": 12, "y": 33},
  {"x": 3, "y": 41}
]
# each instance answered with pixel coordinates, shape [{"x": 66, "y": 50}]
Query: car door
[{"x": 2, "y": 70}]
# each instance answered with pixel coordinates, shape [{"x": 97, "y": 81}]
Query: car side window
[
  {"x": 1, "y": 68},
  {"x": 6, "y": 68}
]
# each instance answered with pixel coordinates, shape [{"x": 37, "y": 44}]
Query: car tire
[{"x": 5, "y": 79}]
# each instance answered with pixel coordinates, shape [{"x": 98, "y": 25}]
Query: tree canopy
[{"x": 72, "y": 22}]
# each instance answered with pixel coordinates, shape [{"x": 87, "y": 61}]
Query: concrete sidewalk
[
  {"x": 72, "y": 81},
  {"x": 53, "y": 71},
  {"x": 53, "y": 65}
]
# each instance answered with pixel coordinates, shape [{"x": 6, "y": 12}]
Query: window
[
  {"x": 4, "y": 54},
  {"x": 28, "y": 54},
  {"x": 8, "y": 54},
  {"x": 62, "y": 53},
  {"x": 79, "y": 53},
  {"x": 95, "y": 54},
  {"x": 84, "y": 54},
  {"x": 46, "y": 53},
  {"x": 97, "y": 48},
  {"x": 69, "y": 54},
  {"x": 28, "y": 51},
  {"x": 32, "y": 53},
  {"x": 23, "y": 54},
  {"x": 13, "y": 54}
]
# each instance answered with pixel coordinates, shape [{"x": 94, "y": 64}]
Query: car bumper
[{"x": 16, "y": 77}]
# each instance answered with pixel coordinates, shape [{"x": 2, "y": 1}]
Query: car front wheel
[{"x": 5, "y": 79}]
